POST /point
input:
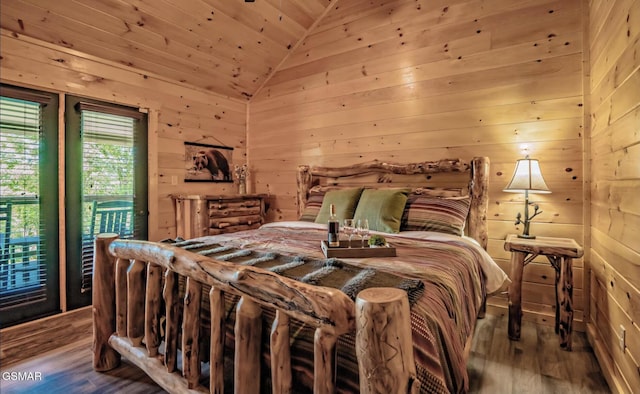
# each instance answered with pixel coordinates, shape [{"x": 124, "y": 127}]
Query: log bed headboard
[{"x": 472, "y": 179}]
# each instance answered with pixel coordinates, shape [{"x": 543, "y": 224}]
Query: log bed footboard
[{"x": 127, "y": 291}]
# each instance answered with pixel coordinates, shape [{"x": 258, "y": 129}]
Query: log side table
[{"x": 560, "y": 252}]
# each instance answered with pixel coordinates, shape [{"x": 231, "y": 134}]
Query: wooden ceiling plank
[
  {"x": 237, "y": 38},
  {"x": 81, "y": 62},
  {"x": 118, "y": 25},
  {"x": 90, "y": 69},
  {"x": 360, "y": 25},
  {"x": 564, "y": 36},
  {"x": 344, "y": 13},
  {"x": 180, "y": 41},
  {"x": 262, "y": 19},
  {"x": 218, "y": 23},
  {"x": 283, "y": 61},
  {"x": 227, "y": 46},
  {"x": 298, "y": 11},
  {"x": 97, "y": 40},
  {"x": 428, "y": 27},
  {"x": 172, "y": 22}
]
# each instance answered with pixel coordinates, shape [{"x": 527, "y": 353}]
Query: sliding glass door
[
  {"x": 29, "y": 272},
  {"x": 106, "y": 183},
  {"x": 105, "y": 190}
]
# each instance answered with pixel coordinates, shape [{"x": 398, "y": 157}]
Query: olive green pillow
[
  {"x": 383, "y": 208},
  {"x": 345, "y": 201}
]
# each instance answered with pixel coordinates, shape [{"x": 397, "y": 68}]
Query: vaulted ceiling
[{"x": 229, "y": 47}]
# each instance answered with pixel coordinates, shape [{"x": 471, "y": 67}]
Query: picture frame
[{"x": 207, "y": 163}]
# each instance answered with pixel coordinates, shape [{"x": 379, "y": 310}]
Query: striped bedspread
[{"x": 442, "y": 318}]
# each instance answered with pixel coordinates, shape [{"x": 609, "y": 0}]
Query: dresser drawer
[
  {"x": 200, "y": 215},
  {"x": 222, "y": 209}
]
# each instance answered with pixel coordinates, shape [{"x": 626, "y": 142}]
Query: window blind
[
  {"x": 23, "y": 274},
  {"x": 107, "y": 180}
]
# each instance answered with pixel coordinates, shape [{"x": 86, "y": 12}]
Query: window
[{"x": 29, "y": 282}]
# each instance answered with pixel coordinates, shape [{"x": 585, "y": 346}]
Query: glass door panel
[{"x": 28, "y": 205}]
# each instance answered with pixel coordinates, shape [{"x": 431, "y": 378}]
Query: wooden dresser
[{"x": 200, "y": 215}]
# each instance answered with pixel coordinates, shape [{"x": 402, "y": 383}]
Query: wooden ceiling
[{"x": 229, "y": 47}]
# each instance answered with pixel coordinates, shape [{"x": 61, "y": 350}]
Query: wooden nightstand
[{"x": 560, "y": 252}]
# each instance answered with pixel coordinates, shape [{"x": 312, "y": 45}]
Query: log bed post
[
  {"x": 324, "y": 361},
  {"x": 479, "y": 201},
  {"x": 105, "y": 358},
  {"x": 304, "y": 180},
  {"x": 216, "y": 349},
  {"x": 479, "y": 208},
  {"x": 172, "y": 310},
  {"x": 280, "y": 354},
  {"x": 122, "y": 266},
  {"x": 384, "y": 343},
  {"x": 191, "y": 333},
  {"x": 135, "y": 301},
  {"x": 246, "y": 376},
  {"x": 152, "y": 309}
]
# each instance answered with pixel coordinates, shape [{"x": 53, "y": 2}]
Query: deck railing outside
[{"x": 22, "y": 263}]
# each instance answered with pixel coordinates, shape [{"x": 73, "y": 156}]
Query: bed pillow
[
  {"x": 312, "y": 208},
  {"x": 383, "y": 208},
  {"x": 345, "y": 201},
  {"x": 445, "y": 215}
]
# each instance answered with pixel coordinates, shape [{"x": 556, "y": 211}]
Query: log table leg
[
  {"x": 565, "y": 292},
  {"x": 555, "y": 262},
  {"x": 515, "y": 295}
]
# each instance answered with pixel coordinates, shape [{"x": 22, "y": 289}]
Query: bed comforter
[{"x": 456, "y": 272}]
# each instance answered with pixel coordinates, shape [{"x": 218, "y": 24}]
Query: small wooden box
[{"x": 355, "y": 251}]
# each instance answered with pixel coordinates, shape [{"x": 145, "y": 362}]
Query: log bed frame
[{"x": 127, "y": 291}]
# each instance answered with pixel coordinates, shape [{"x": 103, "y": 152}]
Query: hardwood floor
[{"x": 535, "y": 364}]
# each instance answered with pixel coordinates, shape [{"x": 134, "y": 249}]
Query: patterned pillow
[
  {"x": 445, "y": 215},
  {"x": 314, "y": 202}
]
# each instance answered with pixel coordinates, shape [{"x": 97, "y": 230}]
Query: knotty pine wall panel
[
  {"x": 177, "y": 113},
  {"x": 614, "y": 92},
  {"x": 409, "y": 81}
]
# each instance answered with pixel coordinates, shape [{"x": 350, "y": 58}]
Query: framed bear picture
[{"x": 207, "y": 163}]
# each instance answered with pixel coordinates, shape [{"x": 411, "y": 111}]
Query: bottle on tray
[{"x": 333, "y": 236}]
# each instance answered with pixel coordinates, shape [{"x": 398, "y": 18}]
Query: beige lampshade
[{"x": 527, "y": 177}]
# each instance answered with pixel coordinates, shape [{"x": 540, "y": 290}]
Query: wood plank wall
[
  {"x": 407, "y": 81},
  {"x": 614, "y": 88},
  {"x": 177, "y": 113}
]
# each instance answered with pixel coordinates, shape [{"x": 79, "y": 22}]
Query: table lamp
[{"x": 527, "y": 178}]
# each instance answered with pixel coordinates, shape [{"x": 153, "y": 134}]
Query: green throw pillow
[
  {"x": 345, "y": 201},
  {"x": 383, "y": 208}
]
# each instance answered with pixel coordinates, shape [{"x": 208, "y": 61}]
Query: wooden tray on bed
[{"x": 355, "y": 251}]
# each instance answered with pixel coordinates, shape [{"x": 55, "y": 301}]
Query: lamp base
[{"x": 527, "y": 236}]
